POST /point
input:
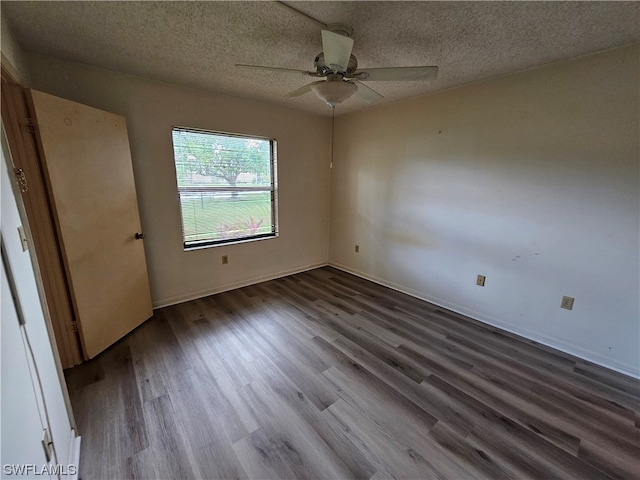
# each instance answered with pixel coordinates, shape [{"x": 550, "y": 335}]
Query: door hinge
[
  {"x": 21, "y": 178},
  {"x": 30, "y": 126},
  {"x": 74, "y": 326},
  {"x": 47, "y": 444}
]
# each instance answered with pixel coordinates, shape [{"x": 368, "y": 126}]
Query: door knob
[{"x": 139, "y": 236}]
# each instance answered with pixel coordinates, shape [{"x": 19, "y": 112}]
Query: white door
[
  {"x": 31, "y": 345},
  {"x": 22, "y": 428}
]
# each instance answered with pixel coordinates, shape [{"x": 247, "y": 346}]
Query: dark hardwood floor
[{"x": 325, "y": 375}]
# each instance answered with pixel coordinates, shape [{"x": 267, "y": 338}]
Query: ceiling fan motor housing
[{"x": 323, "y": 69}]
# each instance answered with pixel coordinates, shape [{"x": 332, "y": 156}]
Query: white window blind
[{"x": 226, "y": 185}]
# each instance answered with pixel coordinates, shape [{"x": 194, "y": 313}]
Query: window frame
[{"x": 272, "y": 189}]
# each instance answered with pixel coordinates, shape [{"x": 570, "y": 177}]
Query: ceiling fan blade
[
  {"x": 337, "y": 50},
  {"x": 397, "y": 74},
  {"x": 302, "y": 90},
  {"x": 309, "y": 17},
  {"x": 278, "y": 69},
  {"x": 367, "y": 93}
]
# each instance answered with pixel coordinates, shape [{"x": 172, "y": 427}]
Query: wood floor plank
[
  {"x": 287, "y": 392},
  {"x": 566, "y": 418},
  {"x": 218, "y": 461},
  {"x": 382, "y": 405},
  {"x": 605, "y": 461},
  {"x": 202, "y": 409},
  {"x": 491, "y": 423},
  {"x": 323, "y": 374},
  {"x": 286, "y": 445},
  {"x": 172, "y": 456},
  {"x": 392, "y": 457},
  {"x": 142, "y": 466},
  {"x": 516, "y": 407},
  {"x": 611, "y": 379},
  {"x": 300, "y": 370},
  {"x": 404, "y": 386},
  {"x": 565, "y": 383},
  {"x": 474, "y": 460},
  {"x": 518, "y": 461},
  {"x": 133, "y": 411},
  {"x": 500, "y": 371},
  {"x": 508, "y": 343},
  {"x": 260, "y": 458}
]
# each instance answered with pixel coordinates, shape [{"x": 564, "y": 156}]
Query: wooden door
[{"x": 87, "y": 166}]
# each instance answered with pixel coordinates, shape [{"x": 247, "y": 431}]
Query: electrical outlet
[
  {"x": 567, "y": 303},
  {"x": 225, "y": 259},
  {"x": 357, "y": 248},
  {"x": 480, "y": 280}
]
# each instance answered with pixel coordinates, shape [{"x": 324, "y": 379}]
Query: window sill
[{"x": 188, "y": 248}]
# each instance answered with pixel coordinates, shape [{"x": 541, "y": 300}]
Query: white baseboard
[
  {"x": 232, "y": 286},
  {"x": 560, "y": 345}
]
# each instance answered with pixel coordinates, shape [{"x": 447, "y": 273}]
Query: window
[{"x": 226, "y": 185}]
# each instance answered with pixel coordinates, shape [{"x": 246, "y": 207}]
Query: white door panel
[
  {"x": 48, "y": 388},
  {"x": 21, "y": 425}
]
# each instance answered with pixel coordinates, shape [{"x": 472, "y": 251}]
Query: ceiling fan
[{"x": 338, "y": 68}]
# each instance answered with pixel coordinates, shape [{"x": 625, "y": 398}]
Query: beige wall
[
  {"x": 151, "y": 109},
  {"x": 530, "y": 179}
]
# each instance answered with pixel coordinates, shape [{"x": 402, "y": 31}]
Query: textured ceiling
[{"x": 197, "y": 43}]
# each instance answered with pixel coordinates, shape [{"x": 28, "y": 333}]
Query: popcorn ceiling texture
[{"x": 196, "y": 44}]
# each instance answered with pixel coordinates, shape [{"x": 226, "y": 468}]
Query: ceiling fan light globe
[{"x": 334, "y": 93}]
